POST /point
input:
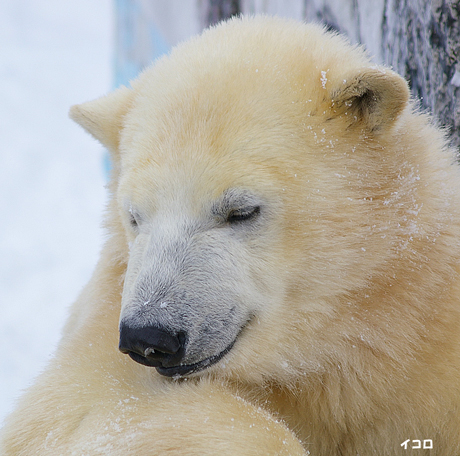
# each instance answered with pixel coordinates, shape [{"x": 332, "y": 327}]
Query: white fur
[{"x": 341, "y": 295}]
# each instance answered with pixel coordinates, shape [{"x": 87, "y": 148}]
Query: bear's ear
[
  {"x": 372, "y": 98},
  {"x": 103, "y": 117}
]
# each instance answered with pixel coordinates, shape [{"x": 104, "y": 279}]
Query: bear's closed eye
[{"x": 244, "y": 214}]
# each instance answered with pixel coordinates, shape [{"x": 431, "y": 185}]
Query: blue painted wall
[{"x": 138, "y": 40}]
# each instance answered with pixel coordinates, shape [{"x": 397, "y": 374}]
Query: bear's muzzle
[{"x": 156, "y": 347}]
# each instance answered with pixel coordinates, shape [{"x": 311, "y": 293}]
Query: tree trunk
[
  {"x": 423, "y": 44},
  {"x": 214, "y": 11}
]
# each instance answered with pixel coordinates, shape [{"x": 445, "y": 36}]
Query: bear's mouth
[
  {"x": 188, "y": 369},
  {"x": 170, "y": 366},
  {"x": 181, "y": 370}
]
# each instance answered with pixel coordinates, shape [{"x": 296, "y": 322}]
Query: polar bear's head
[{"x": 242, "y": 164}]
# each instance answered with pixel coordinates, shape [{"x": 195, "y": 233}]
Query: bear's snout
[{"x": 152, "y": 346}]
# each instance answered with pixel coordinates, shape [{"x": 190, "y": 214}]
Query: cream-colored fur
[{"x": 348, "y": 272}]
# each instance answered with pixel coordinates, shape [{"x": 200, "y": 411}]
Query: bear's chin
[{"x": 181, "y": 370}]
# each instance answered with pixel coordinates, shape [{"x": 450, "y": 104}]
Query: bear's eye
[{"x": 243, "y": 214}]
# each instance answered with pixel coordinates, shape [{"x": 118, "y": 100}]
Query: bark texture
[
  {"x": 214, "y": 11},
  {"x": 422, "y": 42}
]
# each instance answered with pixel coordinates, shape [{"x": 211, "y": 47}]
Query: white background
[{"x": 53, "y": 54}]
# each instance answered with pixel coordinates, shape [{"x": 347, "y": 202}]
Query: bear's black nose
[{"x": 151, "y": 345}]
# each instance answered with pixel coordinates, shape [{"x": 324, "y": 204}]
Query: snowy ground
[{"x": 52, "y": 54}]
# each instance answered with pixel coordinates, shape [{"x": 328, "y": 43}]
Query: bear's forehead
[
  {"x": 203, "y": 118},
  {"x": 233, "y": 105},
  {"x": 220, "y": 90}
]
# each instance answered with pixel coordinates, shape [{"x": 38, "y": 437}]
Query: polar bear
[{"x": 282, "y": 269}]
